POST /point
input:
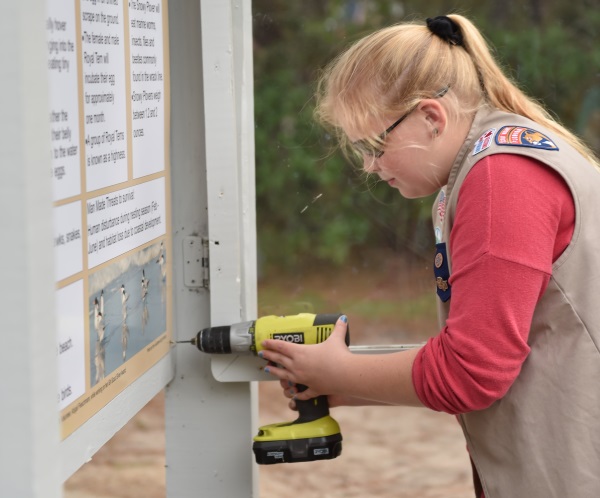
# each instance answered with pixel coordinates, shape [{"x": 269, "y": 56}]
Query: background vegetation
[{"x": 312, "y": 206}]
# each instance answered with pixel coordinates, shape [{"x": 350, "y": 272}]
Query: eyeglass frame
[{"x": 364, "y": 147}]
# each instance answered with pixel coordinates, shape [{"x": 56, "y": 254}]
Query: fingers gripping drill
[{"x": 314, "y": 435}]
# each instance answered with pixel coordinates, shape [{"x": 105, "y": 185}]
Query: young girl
[{"x": 516, "y": 262}]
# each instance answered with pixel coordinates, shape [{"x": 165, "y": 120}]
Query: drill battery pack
[
  {"x": 291, "y": 442},
  {"x": 298, "y": 450}
]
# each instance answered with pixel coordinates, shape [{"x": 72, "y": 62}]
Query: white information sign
[
  {"x": 147, "y": 86},
  {"x": 103, "y": 60},
  {"x": 125, "y": 219},
  {"x": 64, "y": 100},
  {"x": 109, "y": 121},
  {"x": 71, "y": 343},
  {"x": 68, "y": 254}
]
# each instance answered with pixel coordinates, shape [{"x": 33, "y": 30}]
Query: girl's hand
[
  {"x": 347, "y": 379},
  {"x": 313, "y": 365},
  {"x": 290, "y": 391}
]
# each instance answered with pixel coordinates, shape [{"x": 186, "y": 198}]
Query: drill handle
[{"x": 311, "y": 409}]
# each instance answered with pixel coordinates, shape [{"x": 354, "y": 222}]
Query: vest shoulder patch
[
  {"x": 484, "y": 141},
  {"x": 520, "y": 136}
]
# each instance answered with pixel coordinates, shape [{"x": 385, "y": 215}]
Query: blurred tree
[{"x": 312, "y": 205}]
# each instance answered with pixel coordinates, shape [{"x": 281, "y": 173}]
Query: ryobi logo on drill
[{"x": 295, "y": 337}]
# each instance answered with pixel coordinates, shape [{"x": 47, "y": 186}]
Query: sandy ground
[{"x": 387, "y": 452}]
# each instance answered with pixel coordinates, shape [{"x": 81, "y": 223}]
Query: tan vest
[{"x": 542, "y": 439}]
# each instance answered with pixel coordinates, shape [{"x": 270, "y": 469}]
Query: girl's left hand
[{"x": 317, "y": 366}]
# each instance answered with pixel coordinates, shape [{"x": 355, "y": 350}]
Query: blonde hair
[{"x": 388, "y": 72}]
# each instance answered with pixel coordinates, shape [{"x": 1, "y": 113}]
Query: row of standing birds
[{"x": 100, "y": 322}]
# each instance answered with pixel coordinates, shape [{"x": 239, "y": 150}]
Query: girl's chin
[{"x": 409, "y": 193}]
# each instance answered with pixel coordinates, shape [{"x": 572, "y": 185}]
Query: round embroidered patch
[{"x": 439, "y": 260}]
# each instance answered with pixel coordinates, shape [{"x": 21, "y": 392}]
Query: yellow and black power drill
[{"x": 314, "y": 435}]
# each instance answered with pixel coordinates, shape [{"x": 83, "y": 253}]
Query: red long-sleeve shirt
[{"x": 514, "y": 217}]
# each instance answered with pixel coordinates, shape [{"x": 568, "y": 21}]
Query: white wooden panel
[{"x": 29, "y": 428}]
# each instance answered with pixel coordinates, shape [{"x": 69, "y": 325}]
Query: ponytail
[{"x": 501, "y": 93}]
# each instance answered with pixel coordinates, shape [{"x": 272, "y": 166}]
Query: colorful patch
[
  {"x": 524, "y": 137},
  {"x": 484, "y": 141},
  {"x": 441, "y": 207},
  {"x": 440, "y": 214}
]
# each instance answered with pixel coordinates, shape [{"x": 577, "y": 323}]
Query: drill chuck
[{"x": 226, "y": 339}]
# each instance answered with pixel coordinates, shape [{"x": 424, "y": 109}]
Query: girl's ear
[{"x": 435, "y": 115}]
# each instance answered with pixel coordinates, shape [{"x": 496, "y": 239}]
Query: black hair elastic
[{"x": 446, "y": 29}]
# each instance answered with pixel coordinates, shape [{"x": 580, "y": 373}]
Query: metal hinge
[
  {"x": 205, "y": 265},
  {"x": 196, "y": 272}
]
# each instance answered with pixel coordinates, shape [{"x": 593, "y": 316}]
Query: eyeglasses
[{"x": 368, "y": 148}]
